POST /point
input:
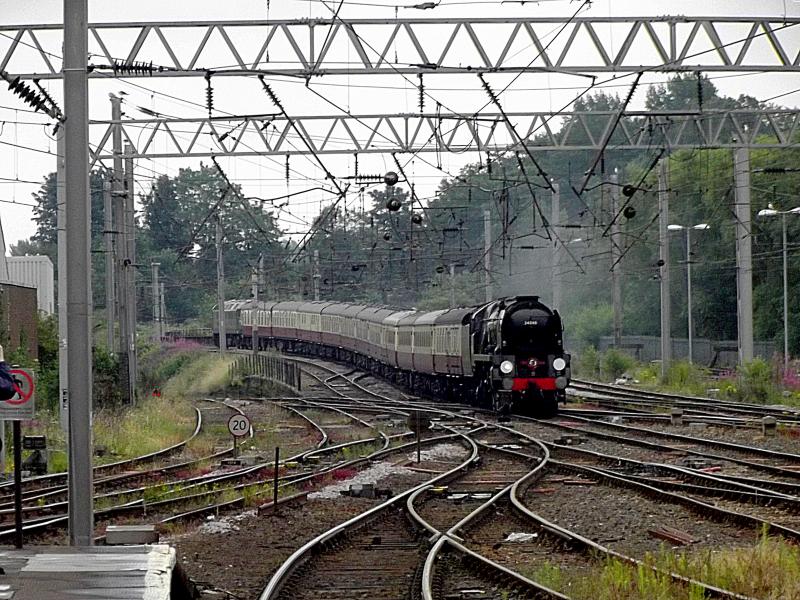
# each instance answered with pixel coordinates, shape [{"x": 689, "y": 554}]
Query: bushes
[
  {"x": 683, "y": 376},
  {"x": 590, "y": 324},
  {"x": 603, "y": 365},
  {"x": 756, "y": 382},
  {"x": 588, "y": 363}
]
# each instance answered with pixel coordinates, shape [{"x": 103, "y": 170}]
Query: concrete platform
[{"x": 99, "y": 573}]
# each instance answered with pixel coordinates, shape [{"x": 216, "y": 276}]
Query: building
[
  {"x": 37, "y": 272},
  {"x": 18, "y": 319}
]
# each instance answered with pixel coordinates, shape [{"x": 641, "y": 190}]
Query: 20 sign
[{"x": 239, "y": 425}]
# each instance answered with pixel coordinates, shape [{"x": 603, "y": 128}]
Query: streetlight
[
  {"x": 771, "y": 212},
  {"x": 688, "y": 230}
]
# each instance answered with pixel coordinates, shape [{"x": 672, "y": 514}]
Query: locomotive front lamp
[
  {"x": 506, "y": 367},
  {"x": 559, "y": 364}
]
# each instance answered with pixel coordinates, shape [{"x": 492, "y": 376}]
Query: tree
[{"x": 178, "y": 231}]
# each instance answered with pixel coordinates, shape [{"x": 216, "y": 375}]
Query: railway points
[{"x": 337, "y": 284}]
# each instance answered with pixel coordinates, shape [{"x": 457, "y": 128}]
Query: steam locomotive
[{"x": 506, "y": 354}]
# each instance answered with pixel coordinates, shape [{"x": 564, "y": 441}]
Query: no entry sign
[{"x": 22, "y": 406}]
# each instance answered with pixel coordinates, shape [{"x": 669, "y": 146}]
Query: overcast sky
[{"x": 27, "y": 152}]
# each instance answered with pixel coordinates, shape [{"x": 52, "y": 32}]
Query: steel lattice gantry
[
  {"x": 313, "y": 47},
  {"x": 264, "y": 135}
]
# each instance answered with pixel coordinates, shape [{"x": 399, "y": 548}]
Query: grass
[
  {"x": 154, "y": 422},
  {"x": 769, "y": 569}
]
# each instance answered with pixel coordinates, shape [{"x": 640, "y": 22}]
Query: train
[{"x": 506, "y": 354}]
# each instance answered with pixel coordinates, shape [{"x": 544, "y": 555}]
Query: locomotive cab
[{"x": 521, "y": 342}]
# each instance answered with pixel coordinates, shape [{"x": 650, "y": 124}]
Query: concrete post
[
  {"x": 120, "y": 249},
  {"x": 108, "y": 227},
  {"x": 163, "y": 312},
  {"x": 663, "y": 270},
  {"x": 487, "y": 256},
  {"x": 316, "y": 275},
  {"x": 79, "y": 282},
  {"x": 156, "y": 301},
  {"x": 689, "y": 320},
  {"x": 223, "y": 346},
  {"x": 452, "y": 285},
  {"x": 131, "y": 271},
  {"x": 256, "y": 280},
  {"x": 616, "y": 268},
  {"x": 744, "y": 253},
  {"x": 555, "y": 219},
  {"x": 61, "y": 216},
  {"x": 785, "y": 298}
]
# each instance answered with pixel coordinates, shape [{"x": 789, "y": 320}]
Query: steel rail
[
  {"x": 303, "y": 553},
  {"x": 662, "y": 447},
  {"x": 683, "y": 473},
  {"x": 591, "y": 546},
  {"x": 98, "y": 469},
  {"x": 450, "y": 537}
]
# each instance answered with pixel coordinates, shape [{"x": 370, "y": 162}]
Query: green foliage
[
  {"x": 588, "y": 363},
  {"x": 107, "y": 378},
  {"x": 590, "y": 324},
  {"x": 756, "y": 382},
  {"x": 686, "y": 377},
  {"x": 615, "y": 363}
]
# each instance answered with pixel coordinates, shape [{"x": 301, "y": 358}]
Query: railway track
[{"x": 444, "y": 574}]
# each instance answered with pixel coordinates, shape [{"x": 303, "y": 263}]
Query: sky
[{"x": 27, "y": 149}]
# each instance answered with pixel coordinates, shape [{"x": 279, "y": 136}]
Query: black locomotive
[{"x": 507, "y": 354}]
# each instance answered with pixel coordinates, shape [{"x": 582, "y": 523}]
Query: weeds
[{"x": 768, "y": 569}]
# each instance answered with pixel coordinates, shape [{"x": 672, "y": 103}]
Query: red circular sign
[{"x": 23, "y": 396}]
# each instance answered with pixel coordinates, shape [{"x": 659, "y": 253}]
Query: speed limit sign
[{"x": 239, "y": 425}]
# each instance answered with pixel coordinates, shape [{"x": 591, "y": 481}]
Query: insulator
[
  {"x": 133, "y": 68},
  {"x": 287, "y": 168},
  {"x": 421, "y": 94},
  {"x": 209, "y": 94}
]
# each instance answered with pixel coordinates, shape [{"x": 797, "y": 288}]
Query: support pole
[
  {"x": 156, "y": 301},
  {"x": 61, "y": 216},
  {"x": 452, "y": 285},
  {"x": 17, "y": 435},
  {"x": 785, "y": 299},
  {"x": 131, "y": 269},
  {"x": 744, "y": 253},
  {"x": 108, "y": 226},
  {"x": 163, "y": 312},
  {"x": 256, "y": 281},
  {"x": 120, "y": 249},
  {"x": 223, "y": 346},
  {"x": 663, "y": 270},
  {"x": 79, "y": 289},
  {"x": 616, "y": 267},
  {"x": 689, "y": 321},
  {"x": 316, "y": 275},
  {"x": 555, "y": 218},
  {"x": 275, "y": 473},
  {"x": 487, "y": 255}
]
